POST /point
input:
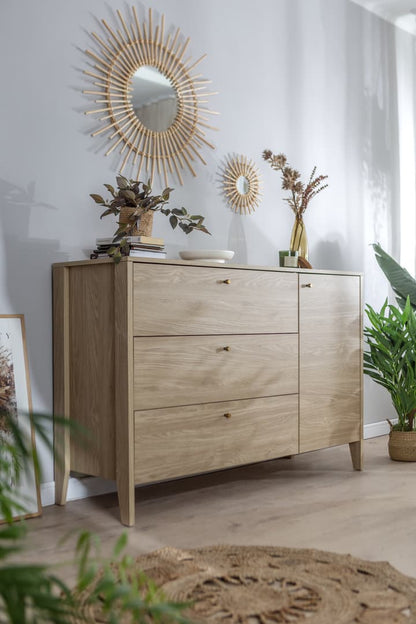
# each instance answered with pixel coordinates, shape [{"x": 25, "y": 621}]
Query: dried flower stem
[{"x": 301, "y": 194}]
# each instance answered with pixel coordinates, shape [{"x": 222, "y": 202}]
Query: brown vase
[
  {"x": 402, "y": 445},
  {"x": 298, "y": 239},
  {"x": 144, "y": 224}
]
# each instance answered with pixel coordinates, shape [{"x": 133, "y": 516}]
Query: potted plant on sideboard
[{"x": 134, "y": 205}]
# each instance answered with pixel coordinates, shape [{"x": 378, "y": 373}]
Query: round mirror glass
[
  {"x": 243, "y": 185},
  {"x": 153, "y": 99}
]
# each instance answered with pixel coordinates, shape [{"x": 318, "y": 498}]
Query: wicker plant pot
[
  {"x": 402, "y": 445},
  {"x": 144, "y": 224}
]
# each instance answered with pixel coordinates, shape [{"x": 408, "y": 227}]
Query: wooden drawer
[
  {"x": 197, "y": 369},
  {"x": 187, "y": 300},
  {"x": 197, "y": 438}
]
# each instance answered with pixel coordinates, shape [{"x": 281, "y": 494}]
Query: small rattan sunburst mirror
[
  {"x": 241, "y": 184},
  {"x": 150, "y": 101}
]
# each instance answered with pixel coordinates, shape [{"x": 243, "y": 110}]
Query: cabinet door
[{"x": 330, "y": 353}]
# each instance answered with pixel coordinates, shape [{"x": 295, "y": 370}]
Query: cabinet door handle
[
  {"x": 227, "y": 348},
  {"x": 308, "y": 285},
  {"x": 227, "y": 415},
  {"x": 226, "y": 281}
]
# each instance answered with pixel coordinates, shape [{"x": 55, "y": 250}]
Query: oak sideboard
[{"x": 179, "y": 368}]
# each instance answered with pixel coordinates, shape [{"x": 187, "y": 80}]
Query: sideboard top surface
[{"x": 218, "y": 265}]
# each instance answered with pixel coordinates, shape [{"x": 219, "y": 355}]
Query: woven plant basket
[
  {"x": 144, "y": 224},
  {"x": 402, "y": 445}
]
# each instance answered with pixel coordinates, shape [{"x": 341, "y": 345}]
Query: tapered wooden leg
[
  {"x": 126, "y": 501},
  {"x": 61, "y": 483},
  {"x": 356, "y": 450},
  {"x": 62, "y": 462}
]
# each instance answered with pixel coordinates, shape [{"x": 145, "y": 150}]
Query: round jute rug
[{"x": 272, "y": 585}]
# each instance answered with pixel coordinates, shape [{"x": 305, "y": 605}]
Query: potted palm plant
[
  {"x": 396, "y": 370},
  {"x": 391, "y": 362}
]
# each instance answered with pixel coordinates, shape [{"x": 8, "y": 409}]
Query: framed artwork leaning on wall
[{"x": 15, "y": 401}]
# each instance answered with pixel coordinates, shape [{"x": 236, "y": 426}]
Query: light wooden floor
[{"x": 314, "y": 500}]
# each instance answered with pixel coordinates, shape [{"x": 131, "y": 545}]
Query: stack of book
[{"x": 139, "y": 246}]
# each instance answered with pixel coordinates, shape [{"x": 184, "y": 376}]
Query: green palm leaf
[{"x": 402, "y": 283}]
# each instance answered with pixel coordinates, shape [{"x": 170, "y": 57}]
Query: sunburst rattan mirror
[
  {"x": 152, "y": 104},
  {"x": 241, "y": 184}
]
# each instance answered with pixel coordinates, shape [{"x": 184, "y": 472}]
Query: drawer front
[
  {"x": 188, "y": 440},
  {"x": 183, "y": 370},
  {"x": 188, "y": 300}
]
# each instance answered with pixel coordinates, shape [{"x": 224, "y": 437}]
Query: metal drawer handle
[
  {"x": 226, "y": 281},
  {"x": 227, "y": 348},
  {"x": 227, "y": 415},
  {"x": 309, "y": 285}
]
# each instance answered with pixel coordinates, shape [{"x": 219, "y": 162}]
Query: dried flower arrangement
[{"x": 301, "y": 195}]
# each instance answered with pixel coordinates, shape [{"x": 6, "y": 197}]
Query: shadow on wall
[
  {"x": 372, "y": 67},
  {"x": 381, "y": 154},
  {"x": 237, "y": 240},
  {"x": 330, "y": 253},
  {"x": 27, "y": 282}
]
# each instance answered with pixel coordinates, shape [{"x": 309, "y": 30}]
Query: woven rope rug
[{"x": 271, "y": 585}]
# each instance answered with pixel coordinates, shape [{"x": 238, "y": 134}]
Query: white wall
[{"x": 315, "y": 79}]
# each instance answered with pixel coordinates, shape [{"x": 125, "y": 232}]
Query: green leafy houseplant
[
  {"x": 106, "y": 591},
  {"x": 391, "y": 358},
  {"x": 135, "y": 200}
]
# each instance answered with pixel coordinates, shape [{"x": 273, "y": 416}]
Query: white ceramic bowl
[{"x": 207, "y": 255}]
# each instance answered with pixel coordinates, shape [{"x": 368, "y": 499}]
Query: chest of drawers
[{"x": 177, "y": 369}]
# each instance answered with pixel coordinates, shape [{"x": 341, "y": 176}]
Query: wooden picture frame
[{"x": 15, "y": 394}]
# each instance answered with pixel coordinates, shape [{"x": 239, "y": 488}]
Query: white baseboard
[
  {"x": 77, "y": 488},
  {"x": 373, "y": 430},
  {"x": 94, "y": 486}
]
